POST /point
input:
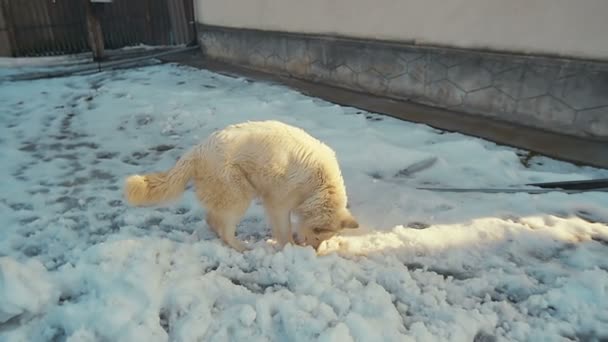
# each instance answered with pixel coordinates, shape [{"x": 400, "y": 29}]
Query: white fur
[{"x": 289, "y": 170}]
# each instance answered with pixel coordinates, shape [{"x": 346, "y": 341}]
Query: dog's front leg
[{"x": 280, "y": 224}]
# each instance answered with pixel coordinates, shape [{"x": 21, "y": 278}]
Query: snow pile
[
  {"x": 26, "y": 289},
  {"x": 79, "y": 265}
]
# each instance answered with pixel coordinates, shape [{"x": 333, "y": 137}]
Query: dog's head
[{"x": 313, "y": 232}]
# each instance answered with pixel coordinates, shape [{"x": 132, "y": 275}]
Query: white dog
[{"x": 289, "y": 170}]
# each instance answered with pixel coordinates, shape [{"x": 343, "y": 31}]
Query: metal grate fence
[{"x": 51, "y": 27}]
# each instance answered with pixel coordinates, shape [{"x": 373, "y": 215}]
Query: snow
[
  {"x": 10, "y": 63},
  {"x": 11, "y": 66},
  {"x": 77, "y": 264},
  {"x": 24, "y": 288}
]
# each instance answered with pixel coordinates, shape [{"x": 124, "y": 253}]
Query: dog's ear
[{"x": 349, "y": 222}]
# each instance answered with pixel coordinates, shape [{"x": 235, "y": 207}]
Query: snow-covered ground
[
  {"x": 10, "y": 66},
  {"x": 77, "y": 264}
]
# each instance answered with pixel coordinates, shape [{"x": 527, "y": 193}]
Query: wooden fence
[{"x": 52, "y": 27}]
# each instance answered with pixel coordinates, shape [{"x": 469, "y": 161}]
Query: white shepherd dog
[{"x": 289, "y": 170}]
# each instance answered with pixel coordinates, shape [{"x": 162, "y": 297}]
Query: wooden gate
[{"x": 52, "y": 27}]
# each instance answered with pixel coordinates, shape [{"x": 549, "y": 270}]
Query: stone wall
[{"x": 560, "y": 95}]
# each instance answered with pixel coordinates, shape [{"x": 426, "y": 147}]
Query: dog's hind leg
[
  {"x": 224, "y": 212},
  {"x": 226, "y": 199},
  {"x": 224, "y": 224}
]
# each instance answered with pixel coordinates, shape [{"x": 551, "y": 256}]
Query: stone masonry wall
[{"x": 560, "y": 95}]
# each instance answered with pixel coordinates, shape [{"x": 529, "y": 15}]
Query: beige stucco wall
[{"x": 559, "y": 27}]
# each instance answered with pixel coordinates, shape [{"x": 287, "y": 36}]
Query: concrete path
[{"x": 558, "y": 146}]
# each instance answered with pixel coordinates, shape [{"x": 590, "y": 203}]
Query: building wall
[
  {"x": 504, "y": 60},
  {"x": 554, "y": 27}
]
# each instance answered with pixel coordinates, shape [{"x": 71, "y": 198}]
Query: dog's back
[{"x": 272, "y": 154}]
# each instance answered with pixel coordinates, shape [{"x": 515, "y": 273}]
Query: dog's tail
[{"x": 156, "y": 188}]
